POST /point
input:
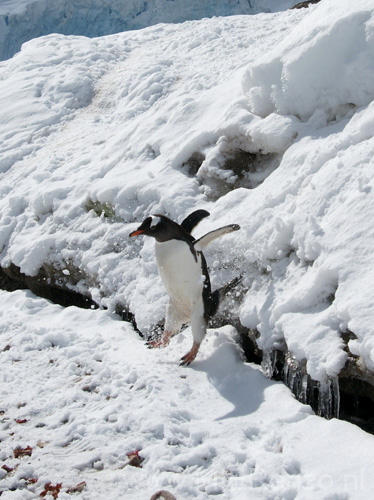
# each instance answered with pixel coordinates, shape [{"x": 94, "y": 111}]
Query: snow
[
  {"x": 22, "y": 20},
  {"x": 86, "y": 393},
  {"x": 98, "y": 133},
  {"x": 333, "y": 40},
  {"x": 106, "y": 127}
]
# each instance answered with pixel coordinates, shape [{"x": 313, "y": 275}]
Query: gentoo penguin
[{"x": 184, "y": 272}]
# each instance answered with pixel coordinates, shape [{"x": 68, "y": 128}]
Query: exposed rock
[
  {"x": 303, "y": 5},
  {"x": 193, "y": 163},
  {"x": 229, "y": 168},
  {"x": 101, "y": 209},
  {"x": 50, "y": 283}
]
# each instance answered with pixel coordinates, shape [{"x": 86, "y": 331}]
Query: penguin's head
[{"x": 155, "y": 226}]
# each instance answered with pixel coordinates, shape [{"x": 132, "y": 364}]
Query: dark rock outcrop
[
  {"x": 303, "y": 5},
  {"x": 49, "y": 283}
]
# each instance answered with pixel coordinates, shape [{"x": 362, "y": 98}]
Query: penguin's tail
[{"x": 216, "y": 296}]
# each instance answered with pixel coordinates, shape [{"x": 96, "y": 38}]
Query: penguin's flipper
[
  {"x": 193, "y": 219},
  {"x": 205, "y": 240}
]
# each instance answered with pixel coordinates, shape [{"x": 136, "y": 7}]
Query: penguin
[{"x": 184, "y": 272}]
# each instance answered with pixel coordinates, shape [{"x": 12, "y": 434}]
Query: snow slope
[
  {"x": 113, "y": 126},
  {"x": 84, "y": 393},
  {"x": 22, "y": 20},
  {"x": 95, "y": 134},
  {"x": 113, "y": 121}
]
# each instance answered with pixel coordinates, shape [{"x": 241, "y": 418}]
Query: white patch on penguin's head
[{"x": 155, "y": 221}]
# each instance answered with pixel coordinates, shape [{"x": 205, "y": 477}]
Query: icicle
[
  {"x": 324, "y": 399},
  {"x": 296, "y": 377},
  {"x": 329, "y": 398},
  {"x": 285, "y": 372},
  {"x": 267, "y": 363},
  {"x": 336, "y": 393},
  {"x": 304, "y": 389},
  {"x": 323, "y": 396}
]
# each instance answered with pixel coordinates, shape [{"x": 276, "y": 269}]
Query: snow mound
[{"x": 325, "y": 67}]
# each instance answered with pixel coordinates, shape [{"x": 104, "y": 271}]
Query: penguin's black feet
[
  {"x": 190, "y": 356},
  {"x": 162, "y": 341}
]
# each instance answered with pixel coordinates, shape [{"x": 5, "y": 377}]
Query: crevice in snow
[{"x": 12, "y": 279}]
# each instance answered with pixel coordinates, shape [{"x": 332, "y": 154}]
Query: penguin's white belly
[{"x": 181, "y": 274}]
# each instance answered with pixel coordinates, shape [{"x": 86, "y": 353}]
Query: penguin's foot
[
  {"x": 190, "y": 356},
  {"x": 162, "y": 341}
]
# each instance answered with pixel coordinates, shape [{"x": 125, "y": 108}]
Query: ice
[{"x": 325, "y": 394}]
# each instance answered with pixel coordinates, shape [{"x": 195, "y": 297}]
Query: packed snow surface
[
  {"x": 80, "y": 392},
  {"x": 97, "y": 134}
]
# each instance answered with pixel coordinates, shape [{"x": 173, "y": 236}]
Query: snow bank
[
  {"x": 325, "y": 67},
  {"x": 171, "y": 118}
]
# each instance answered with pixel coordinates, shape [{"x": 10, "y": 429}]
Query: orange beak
[{"x": 136, "y": 233}]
